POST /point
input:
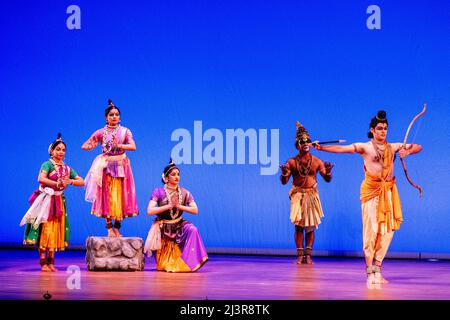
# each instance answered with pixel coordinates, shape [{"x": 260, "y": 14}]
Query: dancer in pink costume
[{"x": 109, "y": 183}]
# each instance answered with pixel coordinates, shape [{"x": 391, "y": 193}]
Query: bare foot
[
  {"x": 308, "y": 259},
  {"x": 45, "y": 268},
  {"x": 111, "y": 233},
  {"x": 370, "y": 278},
  {"x": 299, "y": 259},
  {"x": 379, "y": 278},
  {"x": 52, "y": 268},
  {"x": 117, "y": 233}
]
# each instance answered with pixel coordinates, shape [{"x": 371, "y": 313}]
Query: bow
[{"x": 404, "y": 146}]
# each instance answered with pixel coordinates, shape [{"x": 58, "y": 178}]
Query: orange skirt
[{"x": 168, "y": 258}]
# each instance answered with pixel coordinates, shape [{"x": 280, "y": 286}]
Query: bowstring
[{"x": 416, "y": 131}]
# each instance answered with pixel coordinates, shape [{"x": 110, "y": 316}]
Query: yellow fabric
[
  {"x": 52, "y": 235},
  {"x": 306, "y": 209},
  {"x": 168, "y": 258},
  {"x": 378, "y": 186},
  {"x": 115, "y": 197}
]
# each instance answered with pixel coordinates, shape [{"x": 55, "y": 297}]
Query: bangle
[{"x": 285, "y": 175}]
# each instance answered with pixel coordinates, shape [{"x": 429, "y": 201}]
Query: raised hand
[
  {"x": 90, "y": 144},
  {"x": 316, "y": 145},
  {"x": 328, "y": 166},
  {"x": 114, "y": 141},
  {"x": 285, "y": 170}
]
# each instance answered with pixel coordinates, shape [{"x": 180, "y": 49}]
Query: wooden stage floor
[{"x": 225, "y": 277}]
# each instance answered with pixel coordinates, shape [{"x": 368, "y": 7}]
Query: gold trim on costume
[{"x": 200, "y": 264}]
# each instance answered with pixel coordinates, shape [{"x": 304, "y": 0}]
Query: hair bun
[
  {"x": 381, "y": 114},
  {"x": 59, "y": 136}
]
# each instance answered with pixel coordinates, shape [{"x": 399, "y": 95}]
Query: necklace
[
  {"x": 304, "y": 171},
  {"x": 107, "y": 145},
  {"x": 169, "y": 197},
  {"x": 61, "y": 175},
  {"x": 380, "y": 153}
]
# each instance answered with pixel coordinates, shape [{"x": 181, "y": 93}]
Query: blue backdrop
[{"x": 229, "y": 64}]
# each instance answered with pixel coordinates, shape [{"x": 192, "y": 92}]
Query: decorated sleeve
[
  {"x": 98, "y": 135},
  {"x": 47, "y": 166},
  {"x": 155, "y": 195},
  {"x": 128, "y": 136},
  {"x": 189, "y": 198},
  {"x": 73, "y": 173}
]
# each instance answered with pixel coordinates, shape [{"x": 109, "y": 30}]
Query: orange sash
[{"x": 378, "y": 186}]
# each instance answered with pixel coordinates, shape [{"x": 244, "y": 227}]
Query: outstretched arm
[
  {"x": 351, "y": 148},
  {"x": 410, "y": 149}
]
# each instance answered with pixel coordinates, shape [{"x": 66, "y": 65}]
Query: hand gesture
[
  {"x": 403, "y": 152},
  {"x": 61, "y": 184},
  {"x": 66, "y": 182},
  {"x": 285, "y": 170},
  {"x": 170, "y": 205},
  {"x": 316, "y": 145},
  {"x": 90, "y": 144},
  {"x": 114, "y": 142},
  {"x": 328, "y": 166}
]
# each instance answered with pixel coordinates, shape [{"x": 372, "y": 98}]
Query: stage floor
[{"x": 225, "y": 277}]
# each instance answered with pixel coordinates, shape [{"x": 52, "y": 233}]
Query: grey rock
[
  {"x": 128, "y": 250},
  {"x": 115, "y": 254}
]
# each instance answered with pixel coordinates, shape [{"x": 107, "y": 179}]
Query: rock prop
[{"x": 115, "y": 254}]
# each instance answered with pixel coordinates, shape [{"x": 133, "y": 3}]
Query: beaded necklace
[
  {"x": 305, "y": 169},
  {"x": 107, "y": 145},
  {"x": 169, "y": 197},
  {"x": 62, "y": 165},
  {"x": 304, "y": 172}
]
